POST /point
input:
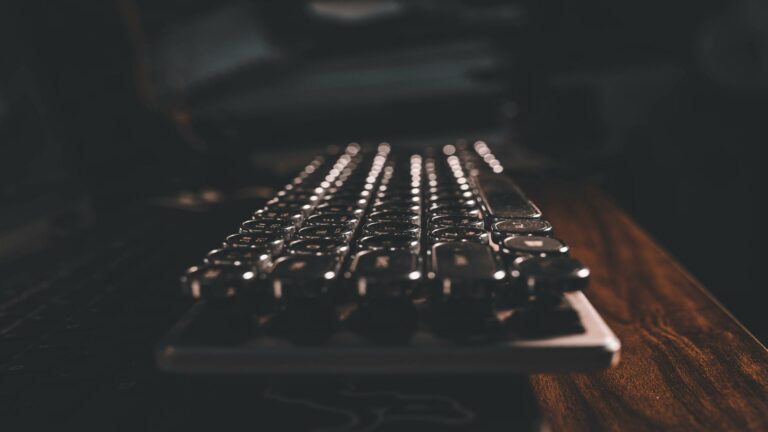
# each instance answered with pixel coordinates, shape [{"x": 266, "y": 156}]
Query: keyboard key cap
[
  {"x": 465, "y": 269},
  {"x": 392, "y": 227},
  {"x": 282, "y": 227},
  {"x": 334, "y": 219},
  {"x": 508, "y": 227},
  {"x": 394, "y": 216},
  {"x": 503, "y": 198},
  {"x": 317, "y": 247},
  {"x": 302, "y": 276},
  {"x": 269, "y": 242},
  {"x": 550, "y": 275},
  {"x": 535, "y": 245},
  {"x": 390, "y": 242},
  {"x": 257, "y": 258},
  {"x": 329, "y": 232},
  {"x": 385, "y": 273},
  {"x": 459, "y": 234},
  {"x": 456, "y": 221},
  {"x": 213, "y": 281}
]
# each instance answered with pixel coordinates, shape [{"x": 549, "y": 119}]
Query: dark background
[{"x": 663, "y": 104}]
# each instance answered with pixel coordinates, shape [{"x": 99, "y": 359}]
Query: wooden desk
[{"x": 687, "y": 364}]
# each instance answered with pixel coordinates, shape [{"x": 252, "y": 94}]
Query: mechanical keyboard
[{"x": 378, "y": 260}]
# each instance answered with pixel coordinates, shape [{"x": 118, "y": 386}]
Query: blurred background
[{"x": 663, "y": 104}]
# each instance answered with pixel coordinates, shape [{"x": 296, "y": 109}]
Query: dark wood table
[
  {"x": 97, "y": 302},
  {"x": 686, "y": 363}
]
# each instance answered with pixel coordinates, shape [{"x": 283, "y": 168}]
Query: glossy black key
[
  {"x": 333, "y": 219},
  {"x": 294, "y": 216},
  {"x": 408, "y": 208},
  {"x": 302, "y": 276},
  {"x": 339, "y": 233},
  {"x": 213, "y": 281},
  {"x": 389, "y": 242},
  {"x": 270, "y": 242},
  {"x": 510, "y": 227},
  {"x": 465, "y": 269},
  {"x": 392, "y": 227},
  {"x": 257, "y": 258},
  {"x": 282, "y": 227},
  {"x": 459, "y": 234},
  {"x": 302, "y": 208},
  {"x": 339, "y": 207},
  {"x": 317, "y": 247},
  {"x": 394, "y": 216},
  {"x": 503, "y": 198},
  {"x": 442, "y": 209},
  {"x": 385, "y": 273},
  {"x": 456, "y": 221},
  {"x": 535, "y": 245},
  {"x": 550, "y": 275}
]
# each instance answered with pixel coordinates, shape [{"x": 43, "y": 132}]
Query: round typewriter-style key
[
  {"x": 389, "y": 242},
  {"x": 270, "y": 242},
  {"x": 258, "y": 258},
  {"x": 457, "y": 220},
  {"x": 551, "y": 275},
  {"x": 450, "y": 234},
  {"x": 353, "y": 204},
  {"x": 444, "y": 209},
  {"x": 523, "y": 227},
  {"x": 283, "y": 227},
  {"x": 339, "y": 208},
  {"x": 339, "y": 233},
  {"x": 408, "y": 208},
  {"x": 317, "y": 247},
  {"x": 441, "y": 203},
  {"x": 294, "y": 217},
  {"x": 394, "y": 216},
  {"x": 405, "y": 228},
  {"x": 535, "y": 245},
  {"x": 213, "y": 281},
  {"x": 334, "y": 219}
]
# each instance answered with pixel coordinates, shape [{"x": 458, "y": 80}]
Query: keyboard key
[
  {"x": 394, "y": 216},
  {"x": 509, "y": 227},
  {"x": 550, "y": 275},
  {"x": 257, "y": 258},
  {"x": 503, "y": 198},
  {"x": 385, "y": 273},
  {"x": 392, "y": 227},
  {"x": 213, "y": 281},
  {"x": 269, "y": 242},
  {"x": 302, "y": 276},
  {"x": 390, "y": 242},
  {"x": 329, "y": 232},
  {"x": 317, "y": 247},
  {"x": 333, "y": 219},
  {"x": 535, "y": 245},
  {"x": 459, "y": 234},
  {"x": 456, "y": 221},
  {"x": 465, "y": 269},
  {"x": 282, "y": 227}
]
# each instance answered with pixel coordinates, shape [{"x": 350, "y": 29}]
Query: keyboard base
[{"x": 184, "y": 351}]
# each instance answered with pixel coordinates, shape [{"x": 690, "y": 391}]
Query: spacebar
[{"x": 503, "y": 198}]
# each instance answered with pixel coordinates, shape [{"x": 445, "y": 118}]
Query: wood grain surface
[{"x": 687, "y": 364}]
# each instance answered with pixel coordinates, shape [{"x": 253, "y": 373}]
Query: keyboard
[{"x": 374, "y": 259}]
